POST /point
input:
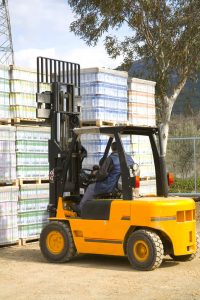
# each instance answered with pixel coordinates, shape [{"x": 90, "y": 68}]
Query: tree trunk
[
  {"x": 166, "y": 115},
  {"x": 164, "y": 135},
  {"x": 167, "y": 110}
]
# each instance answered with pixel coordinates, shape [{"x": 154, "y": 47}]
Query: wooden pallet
[
  {"x": 5, "y": 121},
  {"x": 22, "y": 181},
  {"x": 8, "y": 244},
  {"x": 21, "y": 121},
  {"x": 29, "y": 240},
  {"x": 98, "y": 123},
  {"x": 8, "y": 183}
]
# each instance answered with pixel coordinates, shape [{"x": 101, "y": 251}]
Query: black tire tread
[
  {"x": 158, "y": 245},
  {"x": 72, "y": 249}
]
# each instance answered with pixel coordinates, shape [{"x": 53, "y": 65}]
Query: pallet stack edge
[{"x": 23, "y": 158}]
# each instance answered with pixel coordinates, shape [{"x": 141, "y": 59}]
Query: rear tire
[
  {"x": 188, "y": 257},
  {"x": 56, "y": 242},
  {"x": 145, "y": 250}
]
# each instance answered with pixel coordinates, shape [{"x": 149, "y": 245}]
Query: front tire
[
  {"x": 56, "y": 242},
  {"x": 187, "y": 257},
  {"x": 145, "y": 250}
]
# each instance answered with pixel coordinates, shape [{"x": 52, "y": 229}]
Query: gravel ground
[{"x": 24, "y": 274}]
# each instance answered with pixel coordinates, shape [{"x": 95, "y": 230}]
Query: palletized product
[
  {"x": 32, "y": 209},
  {"x": 4, "y": 99},
  {"x": 141, "y": 102},
  {"x": 142, "y": 153},
  {"x": 32, "y": 151},
  {"x": 23, "y": 74},
  {"x": 7, "y": 154},
  {"x": 4, "y": 112},
  {"x": 22, "y": 112},
  {"x": 4, "y": 92},
  {"x": 104, "y": 95},
  {"x": 141, "y": 112},
  {"x": 23, "y": 88},
  {"x": 23, "y": 99},
  {"x": 8, "y": 215},
  {"x": 4, "y": 71}
]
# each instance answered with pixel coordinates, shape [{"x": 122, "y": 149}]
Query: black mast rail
[{"x": 57, "y": 106}]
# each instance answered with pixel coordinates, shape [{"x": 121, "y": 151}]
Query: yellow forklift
[{"x": 119, "y": 223}]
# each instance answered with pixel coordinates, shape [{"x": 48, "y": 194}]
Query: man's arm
[{"x": 104, "y": 169}]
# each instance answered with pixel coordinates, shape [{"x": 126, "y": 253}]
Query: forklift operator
[{"x": 106, "y": 177}]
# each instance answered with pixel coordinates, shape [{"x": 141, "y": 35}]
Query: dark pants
[{"x": 89, "y": 195}]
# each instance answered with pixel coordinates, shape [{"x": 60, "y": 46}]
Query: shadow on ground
[{"x": 29, "y": 254}]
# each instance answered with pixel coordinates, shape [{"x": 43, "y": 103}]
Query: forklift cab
[{"x": 99, "y": 207}]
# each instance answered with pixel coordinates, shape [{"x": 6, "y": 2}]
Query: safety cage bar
[{"x": 52, "y": 70}]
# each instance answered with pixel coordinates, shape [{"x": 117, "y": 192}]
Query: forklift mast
[{"x": 59, "y": 108}]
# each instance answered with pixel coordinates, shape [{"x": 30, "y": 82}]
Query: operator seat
[
  {"x": 96, "y": 209},
  {"x": 115, "y": 194}
]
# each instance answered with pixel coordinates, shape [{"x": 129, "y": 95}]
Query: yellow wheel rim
[
  {"x": 141, "y": 250},
  {"x": 55, "y": 242}
]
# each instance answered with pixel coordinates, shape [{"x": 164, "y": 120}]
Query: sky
[{"x": 41, "y": 28}]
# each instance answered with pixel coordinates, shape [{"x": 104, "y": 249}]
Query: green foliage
[
  {"x": 184, "y": 185},
  {"x": 167, "y": 32}
]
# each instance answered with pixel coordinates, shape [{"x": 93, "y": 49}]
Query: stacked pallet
[
  {"x": 22, "y": 93},
  {"x": 32, "y": 209},
  {"x": 141, "y": 102},
  {"x": 7, "y": 154},
  {"x": 8, "y": 215},
  {"x": 103, "y": 102},
  {"x": 8, "y": 193},
  {"x": 4, "y": 93},
  {"x": 141, "y": 149},
  {"x": 104, "y": 99},
  {"x": 104, "y": 95},
  {"x": 141, "y": 111},
  {"x": 23, "y": 156},
  {"x": 142, "y": 153},
  {"x": 32, "y": 152},
  {"x": 32, "y": 167}
]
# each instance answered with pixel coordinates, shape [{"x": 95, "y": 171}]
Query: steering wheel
[{"x": 85, "y": 177}]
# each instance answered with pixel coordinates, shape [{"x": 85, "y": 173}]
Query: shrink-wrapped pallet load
[
  {"x": 141, "y": 102},
  {"x": 32, "y": 209},
  {"x": 7, "y": 154},
  {"x": 142, "y": 112},
  {"x": 23, "y": 88},
  {"x": 32, "y": 151},
  {"x": 8, "y": 215},
  {"x": 104, "y": 95},
  {"x": 4, "y": 93}
]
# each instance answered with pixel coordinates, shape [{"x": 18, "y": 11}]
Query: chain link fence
[{"x": 183, "y": 159}]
